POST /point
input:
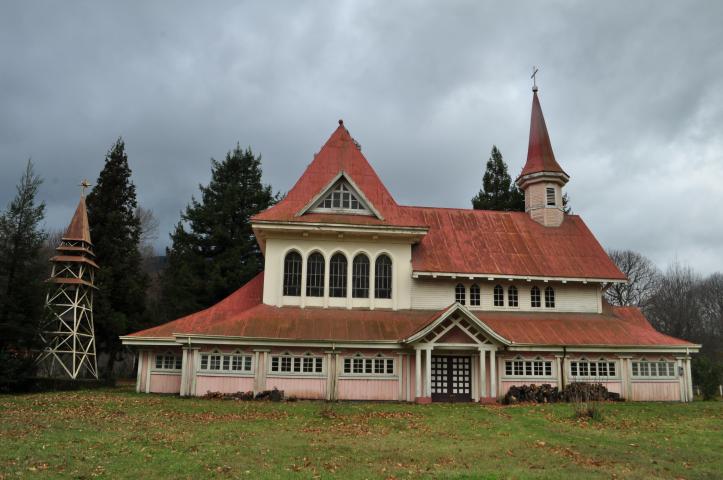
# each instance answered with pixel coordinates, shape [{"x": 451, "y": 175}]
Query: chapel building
[{"x": 366, "y": 299}]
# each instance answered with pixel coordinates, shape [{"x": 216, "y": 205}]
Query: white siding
[{"x": 439, "y": 293}]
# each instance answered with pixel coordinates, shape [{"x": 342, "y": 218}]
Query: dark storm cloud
[{"x": 632, "y": 96}]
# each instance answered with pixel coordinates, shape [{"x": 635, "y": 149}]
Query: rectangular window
[
  {"x": 298, "y": 365},
  {"x": 168, "y": 361},
  {"x": 368, "y": 366},
  {"x": 551, "y": 197},
  {"x": 528, "y": 368},
  {"x": 585, "y": 368},
  {"x": 658, "y": 369},
  {"x": 225, "y": 362}
]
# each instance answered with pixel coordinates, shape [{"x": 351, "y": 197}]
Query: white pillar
[
  {"x": 140, "y": 370},
  {"x": 493, "y": 375},
  {"x": 400, "y": 370},
  {"x": 483, "y": 373},
  {"x": 689, "y": 379},
  {"x": 184, "y": 372},
  {"x": 428, "y": 373},
  {"x": 418, "y": 373},
  {"x": 302, "y": 300}
]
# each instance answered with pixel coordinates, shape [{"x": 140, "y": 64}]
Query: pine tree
[
  {"x": 21, "y": 281},
  {"x": 214, "y": 250},
  {"x": 115, "y": 233},
  {"x": 498, "y": 192}
]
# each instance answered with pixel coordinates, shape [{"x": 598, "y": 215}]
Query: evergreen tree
[
  {"x": 115, "y": 233},
  {"x": 498, "y": 192},
  {"x": 21, "y": 281},
  {"x": 214, "y": 250}
]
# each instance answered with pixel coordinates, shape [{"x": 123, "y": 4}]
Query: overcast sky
[{"x": 632, "y": 93}]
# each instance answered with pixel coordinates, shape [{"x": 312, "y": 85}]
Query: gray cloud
[{"x": 631, "y": 93}]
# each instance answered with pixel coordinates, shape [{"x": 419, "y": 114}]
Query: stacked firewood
[
  {"x": 274, "y": 395},
  {"x": 546, "y": 393}
]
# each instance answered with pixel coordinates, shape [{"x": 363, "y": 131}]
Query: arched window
[
  {"x": 474, "y": 296},
  {"x": 292, "y": 274},
  {"x": 459, "y": 294},
  {"x": 383, "y": 277},
  {"x": 512, "y": 298},
  {"x": 337, "y": 275},
  {"x": 315, "y": 275},
  {"x": 498, "y": 296},
  {"x": 549, "y": 297},
  {"x": 535, "y": 297},
  {"x": 360, "y": 276}
]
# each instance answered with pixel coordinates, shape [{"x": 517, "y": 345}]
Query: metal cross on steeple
[
  {"x": 533, "y": 77},
  {"x": 83, "y": 185}
]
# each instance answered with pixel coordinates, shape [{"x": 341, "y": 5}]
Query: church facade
[{"x": 366, "y": 299}]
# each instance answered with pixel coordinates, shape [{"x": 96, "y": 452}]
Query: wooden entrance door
[{"x": 451, "y": 379}]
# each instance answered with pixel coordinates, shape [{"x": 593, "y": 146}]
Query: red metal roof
[
  {"x": 540, "y": 157},
  {"x": 243, "y": 315},
  {"x": 79, "y": 228},
  {"x": 507, "y": 243}
]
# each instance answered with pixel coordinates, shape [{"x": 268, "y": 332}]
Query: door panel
[{"x": 451, "y": 379}]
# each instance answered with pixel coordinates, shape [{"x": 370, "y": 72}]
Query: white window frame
[
  {"x": 520, "y": 366},
  {"x": 597, "y": 366},
  {"x": 342, "y": 189},
  {"x": 644, "y": 369},
  {"x": 170, "y": 362},
  {"x": 361, "y": 366},
  {"x": 226, "y": 361},
  {"x": 296, "y": 364}
]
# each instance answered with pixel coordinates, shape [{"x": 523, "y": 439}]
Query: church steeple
[{"x": 542, "y": 178}]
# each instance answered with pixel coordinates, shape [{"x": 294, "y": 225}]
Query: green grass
[{"x": 116, "y": 433}]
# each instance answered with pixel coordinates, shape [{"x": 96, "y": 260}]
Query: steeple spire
[{"x": 542, "y": 178}]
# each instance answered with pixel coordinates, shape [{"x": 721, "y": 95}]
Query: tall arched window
[
  {"x": 337, "y": 275},
  {"x": 383, "y": 277},
  {"x": 549, "y": 297},
  {"x": 512, "y": 297},
  {"x": 315, "y": 275},
  {"x": 292, "y": 274},
  {"x": 474, "y": 295},
  {"x": 459, "y": 294},
  {"x": 535, "y": 297},
  {"x": 498, "y": 296},
  {"x": 360, "y": 276}
]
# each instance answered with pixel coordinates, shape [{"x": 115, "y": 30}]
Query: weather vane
[
  {"x": 534, "y": 78},
  {"x": 83, "y": 185}
]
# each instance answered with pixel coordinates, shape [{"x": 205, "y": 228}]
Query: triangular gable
[
  {"x": 341, "y": 195},
  {"x": 340, "y": 156},
  {"x": 457, "y": 317}
]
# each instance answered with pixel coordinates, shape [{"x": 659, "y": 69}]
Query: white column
[
  {"x": 140, "y": 370},
  {"x": 483, "y": 373},
  {"x": 256, "y": 372},
  {"x": 149, "y": 364},
  {"x": 349, "y": 268},
  {"x": 372, "y": 279},
  {"x": 400, "y": 370},
  {"x": 326, "y": 282},
  {"x": 194, "y": 363},
  {"x": 689, "y": 379},
  {"x": 184, "y": 372},
  {"x": 418, "y": 373},
  {"x": 493, "y": 375},
  {"x": 428, "y": 373}
]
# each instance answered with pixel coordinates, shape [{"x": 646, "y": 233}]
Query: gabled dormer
[{"x": 342, "y": 197}]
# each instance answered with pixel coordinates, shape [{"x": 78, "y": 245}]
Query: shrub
[{"x": 707, "y": 375}]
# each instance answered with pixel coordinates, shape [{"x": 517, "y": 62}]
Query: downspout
[{"x": 562, "y": 368}]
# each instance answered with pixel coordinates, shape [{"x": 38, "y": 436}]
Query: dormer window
[
  {"x": 342, "y": 198},
  {"x": 551, "y": 201}
]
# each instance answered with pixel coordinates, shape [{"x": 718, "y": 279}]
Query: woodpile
[
  {"x": 546, "y": 393},
  {"x": 274, "y": 395}
]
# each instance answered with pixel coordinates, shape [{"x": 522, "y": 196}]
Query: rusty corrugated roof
[
  {"x": 79, "y": 230},
  {"x": 540, "y": 157},
  {"x": 243, "y": 315}
]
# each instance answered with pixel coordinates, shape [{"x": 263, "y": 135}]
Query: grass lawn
[{"x": 116, "y": 433}]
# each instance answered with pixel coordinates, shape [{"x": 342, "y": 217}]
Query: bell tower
[{"x": 542, "y": 178}]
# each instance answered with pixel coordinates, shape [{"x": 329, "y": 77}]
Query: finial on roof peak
[
  {"x": 83, "y": 185},
  {"x": 534, "y": 78},
  {"x": 341, "y": 122}
]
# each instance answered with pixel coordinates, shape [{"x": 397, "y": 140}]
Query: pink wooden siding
[
  {"x": 309, "y": 388},
  {"x": 368, "y": 389},
  {"x": 656, "y": 391},
  {"x": 223, "y": 384},
  {"x": 165, "y": 383}
]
